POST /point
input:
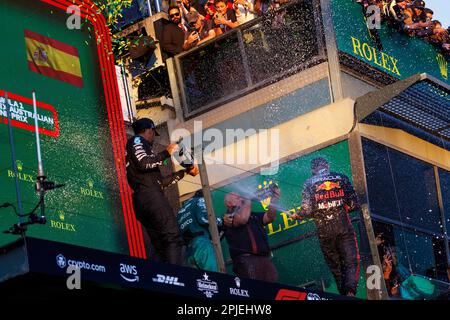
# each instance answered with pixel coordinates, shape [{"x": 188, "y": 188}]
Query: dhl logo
[{"x": 328, "y": 185}]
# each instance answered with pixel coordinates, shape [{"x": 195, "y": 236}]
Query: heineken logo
[
  {"x": 90, "y": 191},
  {"x": 22, "y": 115},
  {"x": 62, "y": 224}
]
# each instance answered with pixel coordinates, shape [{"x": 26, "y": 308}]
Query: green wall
[
  {"x": 87, "y": 211},
  {"x": 402, "y": 55},
  {"x": 302, "y": 261}
]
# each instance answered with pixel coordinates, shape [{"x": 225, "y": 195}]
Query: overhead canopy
[{"x": 420, "y": 101}]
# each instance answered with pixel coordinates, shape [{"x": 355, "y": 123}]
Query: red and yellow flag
[{"x": 53, "y": 58}]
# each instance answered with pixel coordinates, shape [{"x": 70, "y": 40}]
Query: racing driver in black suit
[{"x": 150, "y": 205}]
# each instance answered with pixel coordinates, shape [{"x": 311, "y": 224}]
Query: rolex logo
[
  {"x": 62, "y": 225},
  {"x": 443, "y": 66},
  {"x": 20, "y": 174},
  {"x": 90, "y": 191},
  {"x": 19, "y": 165}
]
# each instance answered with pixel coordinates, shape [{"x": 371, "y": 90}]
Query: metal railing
[{"x": 255, "y": 54}]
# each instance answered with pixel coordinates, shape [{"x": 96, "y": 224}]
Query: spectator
[
  {"x": 247, "y": 238},
  {"x": 194, "y": 227},
  {"x": 412, "y": 18},
  {"x": 244, "y": 10},
  {"x": 389, "y": 265},
  {"x": 174, "y": 36},
  {"x": 201, "y": 29},
  {"x": 224, "y": 18},
  {"x": 261, "y": 6},
  {"x": 210, "y": 10}
]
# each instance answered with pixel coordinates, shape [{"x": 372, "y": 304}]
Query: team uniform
[
  {"x": 194, "y": 227},
  {"x": 327, "y": 198},
  {"x": 151, "y": 206}
]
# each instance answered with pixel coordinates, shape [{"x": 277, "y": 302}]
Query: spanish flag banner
[{"x": 53, "y": 58}]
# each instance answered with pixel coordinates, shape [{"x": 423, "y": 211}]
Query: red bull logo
[
  {"x": 329, "y": 195},
  {"x": 328, "y": 185}
]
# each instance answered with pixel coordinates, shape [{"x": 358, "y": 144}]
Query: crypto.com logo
[{"x": 233, "y": 147}]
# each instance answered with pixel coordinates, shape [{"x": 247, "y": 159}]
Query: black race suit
[
  {"x": 327, "y": 198},
  {"x": 151, "y": 206}
]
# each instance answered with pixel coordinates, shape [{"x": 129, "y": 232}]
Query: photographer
[
  {"x": 247, "y": 238},
  {"x": 151, "y": 207}
]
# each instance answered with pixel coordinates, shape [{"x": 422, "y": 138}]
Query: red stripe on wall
[
  {"x": 54, "y": 43},
  {"x": 90, "y": 11},
  {"x": 55, "y": 74}
]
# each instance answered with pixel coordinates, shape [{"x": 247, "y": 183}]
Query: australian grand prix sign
[{"x": 22, "y": 115}]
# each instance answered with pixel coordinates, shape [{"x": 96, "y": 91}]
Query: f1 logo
[{"x": 285, "y": 294}]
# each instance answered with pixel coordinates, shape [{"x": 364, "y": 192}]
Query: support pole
[
  {"x": 370, "y": 250},
  {"x": 41, "y": 176},
  {"x": 13, "y": 160},
  {"x": 211, "y": 215}
]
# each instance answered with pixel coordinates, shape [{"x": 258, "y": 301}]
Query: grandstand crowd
[
  {"x": 412, "y": 18},
  {"x": 193, "y": 22}
]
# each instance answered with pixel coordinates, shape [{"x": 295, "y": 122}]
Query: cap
[
  {"x": 318, "y": 163},
  {"x": 191, "y": 17},
  {"x": 144, "y": 123}
]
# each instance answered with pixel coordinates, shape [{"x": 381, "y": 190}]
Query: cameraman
[
  {"x": 247, "y": 238},
  {"x": 151, "y": 207}
]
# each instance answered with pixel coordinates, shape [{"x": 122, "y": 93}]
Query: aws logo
[
  {"x": 129, "y": 273},
  {"x": 21, "y": 174},
  {"x": 443, "y": 66},
  {"x": 62, "y": 224},
  {"x": 90, "y": 191}
]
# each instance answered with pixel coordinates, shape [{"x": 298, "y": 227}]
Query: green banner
[
  {"x": 73, "y": 122},
  {"x": 299, "y": 261},
  {"x": 402, "y": 56}
]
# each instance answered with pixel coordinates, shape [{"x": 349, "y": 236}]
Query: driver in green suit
[{"x": 194, "y": 227}]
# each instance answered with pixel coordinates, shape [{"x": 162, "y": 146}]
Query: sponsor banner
[
  {"x": 22, "y": 114},
  {"x": 110, "y": 268}
]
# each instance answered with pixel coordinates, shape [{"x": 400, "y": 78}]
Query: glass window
[
  {"x": 401, "y": 187},
  {"x": 415, "y": 251}
]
